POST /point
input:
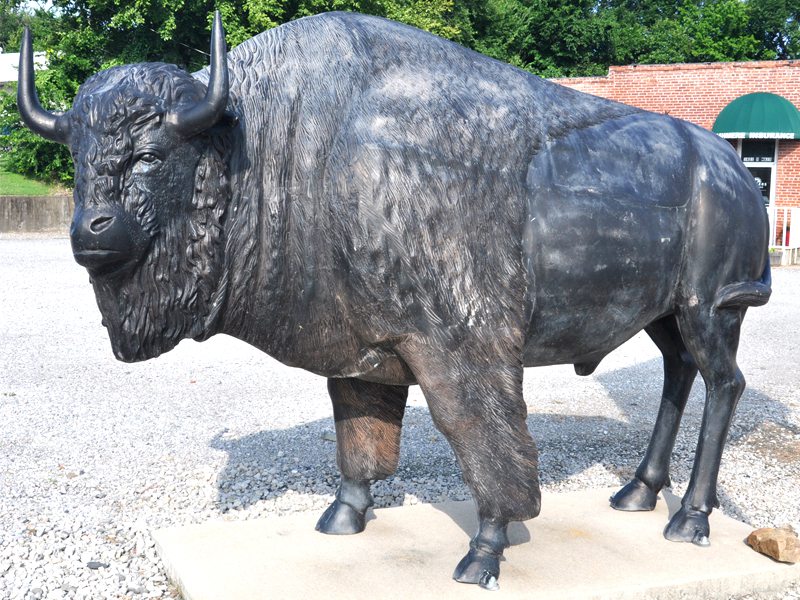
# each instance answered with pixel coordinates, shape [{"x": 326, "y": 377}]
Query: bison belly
[{"x": 605, "y": 234}]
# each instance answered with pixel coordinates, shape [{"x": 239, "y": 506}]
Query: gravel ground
[{"x": 97, "y": 453}]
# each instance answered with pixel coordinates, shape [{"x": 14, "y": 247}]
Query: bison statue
[{"x": 386, "y": 208}]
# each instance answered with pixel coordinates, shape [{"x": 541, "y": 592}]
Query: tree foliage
[
  {"x": 548, "y": 37},
  {"x": 775, "y": 24},
  {"x": 683, "y": 31}
]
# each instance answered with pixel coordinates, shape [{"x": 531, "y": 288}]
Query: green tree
[
  {"x": 776, "y": 26},
  {"x": 718, "y": 31},
  {"x": 445, "y": 18},
  {"x": 20, "y": 150},
  {"x": 448, "y": 18},
  {"x": 81, "y": 37},
  {"x": 658, "y": 31},
  {"x": 548, "y": 37}
]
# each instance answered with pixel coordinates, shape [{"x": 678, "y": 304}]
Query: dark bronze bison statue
[{"x": 385, "y": 208}]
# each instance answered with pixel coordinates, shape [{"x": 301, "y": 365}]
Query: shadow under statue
[{"x": 385, "y": 208}]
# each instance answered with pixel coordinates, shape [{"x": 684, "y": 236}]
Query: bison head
[{"x": 151, "y": 187}]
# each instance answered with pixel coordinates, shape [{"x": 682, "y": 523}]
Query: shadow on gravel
[
  {"x": 272, "y": 463},
  {"x": 302, "y": 460}
]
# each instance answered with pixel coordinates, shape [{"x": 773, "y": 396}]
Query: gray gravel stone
[{"x": 97, "y": 453}]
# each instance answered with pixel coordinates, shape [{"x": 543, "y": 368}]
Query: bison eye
[
  {"x": 148, "y": 158},
  {"x": 146, "y": 161}
]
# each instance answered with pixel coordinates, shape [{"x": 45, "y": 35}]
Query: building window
[{"x": 761, "y": 157}]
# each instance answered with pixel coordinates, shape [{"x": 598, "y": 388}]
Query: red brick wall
[
  {"x": 788, "y": 174},
  {"x": 698, "y": 92}
]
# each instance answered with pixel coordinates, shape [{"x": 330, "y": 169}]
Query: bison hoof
[
  {"x": 479, "y": 566},
  {"x": 634, "y": 496},
  {"x": 341, "y": 519},
  {"x": 688, "y": 525}
]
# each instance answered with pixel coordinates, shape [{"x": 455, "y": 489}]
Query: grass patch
[{"x": 12, "y": 184}]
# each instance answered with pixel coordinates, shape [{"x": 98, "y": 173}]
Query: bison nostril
[{"x": 100, "y": 224}]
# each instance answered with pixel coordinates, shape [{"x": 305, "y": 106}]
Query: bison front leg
[
  {"x": 475, "y": 399},
  {"x": 368, "y": 418}
]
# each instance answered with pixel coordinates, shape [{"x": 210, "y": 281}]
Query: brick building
[{"x": 760, "y": 117}]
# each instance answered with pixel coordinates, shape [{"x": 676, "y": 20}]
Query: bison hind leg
[
  {"x": 712, "y": 336},
  {"x": 689, "y": 525},
  {"x": 634, "y": 496},
  {"x": 641, "y": 492}
]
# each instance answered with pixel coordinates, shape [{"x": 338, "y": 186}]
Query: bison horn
[
  {"x": 48, "y": 125},
  {"x": 207, "y": 113}
]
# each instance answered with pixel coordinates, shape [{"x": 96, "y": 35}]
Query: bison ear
[
  {"x": 46, "y": 124},
  {"x": 208, "y": 112}
]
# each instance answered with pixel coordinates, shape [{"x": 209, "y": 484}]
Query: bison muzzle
[{"x": 385, "y": 208}]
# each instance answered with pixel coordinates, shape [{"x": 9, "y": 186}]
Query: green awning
[{"x": 759, "y": 116}]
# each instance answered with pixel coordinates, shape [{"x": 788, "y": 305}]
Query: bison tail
[{"x": 748, "y": 293}]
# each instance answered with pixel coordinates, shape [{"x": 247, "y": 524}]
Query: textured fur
[{"x": 395, "y": 163}]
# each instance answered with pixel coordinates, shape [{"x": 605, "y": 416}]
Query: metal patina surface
[{"x": 385, "y": 208}]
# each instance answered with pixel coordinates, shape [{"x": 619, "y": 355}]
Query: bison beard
[{"x": 178, "y": 289}]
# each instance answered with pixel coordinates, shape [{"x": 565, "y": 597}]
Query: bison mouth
[
  {"x": 103, "y": 263},
  {"x": 106, "y": 239}
]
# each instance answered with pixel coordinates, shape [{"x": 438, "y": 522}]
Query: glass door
[{"x": 760, "y": 158}]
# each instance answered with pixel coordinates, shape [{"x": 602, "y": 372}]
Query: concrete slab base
[{"x": 578, "y": 548}]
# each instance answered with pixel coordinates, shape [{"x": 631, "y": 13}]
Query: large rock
[{"x": 780, "y": 544}]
